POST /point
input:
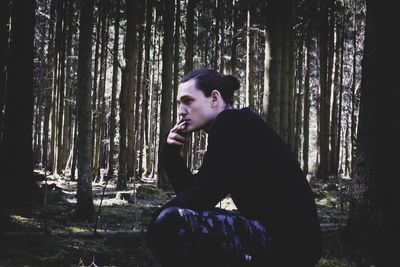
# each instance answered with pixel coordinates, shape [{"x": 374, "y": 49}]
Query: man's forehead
[{"x": 187, "y": 89}]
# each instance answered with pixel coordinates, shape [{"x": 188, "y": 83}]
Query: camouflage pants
[{"x": 208, "y": 238}]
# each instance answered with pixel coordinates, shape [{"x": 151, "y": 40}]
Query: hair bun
[{"x": 232, "y": 82}]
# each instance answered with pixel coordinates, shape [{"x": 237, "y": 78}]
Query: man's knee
[{"x": 168, "y": 216}]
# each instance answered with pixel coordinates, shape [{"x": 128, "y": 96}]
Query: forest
[{"x": 88, "y": 93}]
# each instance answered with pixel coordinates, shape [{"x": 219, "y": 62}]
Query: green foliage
[{"x": 319, "y": 193}]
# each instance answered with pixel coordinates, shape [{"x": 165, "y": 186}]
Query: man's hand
[{"x": 177, "y": 135}]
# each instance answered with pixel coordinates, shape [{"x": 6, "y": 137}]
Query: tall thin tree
[{"x": 84, "y": 206}]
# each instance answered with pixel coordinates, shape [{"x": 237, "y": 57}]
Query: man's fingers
[
  {"x": 177, "y": 137},
  {"x": 179, "y": 127}
]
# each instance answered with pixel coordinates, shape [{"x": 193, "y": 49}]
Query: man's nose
[{"x": 182, "y": 110}]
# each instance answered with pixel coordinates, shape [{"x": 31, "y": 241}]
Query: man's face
[{"x": 194, "y": 107}]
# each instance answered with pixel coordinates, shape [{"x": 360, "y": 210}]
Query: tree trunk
[
  {"x": 250, "y": 61},
  {"x": 339, "y": 130},
  {"x": 353, "y": 132},
  {"x": 146, "y": 86},
  {"x": 373, "y": 221},
  {"x": 324, "y": 98},
  {"x": 234, "y": 39},
  {"x": 16, "y": 151},
  {"x": 37, "y": 146},
  {"x": 189, "y": 36},
  {"x": 335, "y": 137},
  {"x": 84, "y": 207},
  {"x": 113, "y": 108},
  {"x": 131, "y": 66},
  {"x": 300, "y": 92},
  {"x": 216, "y": 34},
  {"x": 68, "y": 123},
  {"x": 176, "y": 60},
  {"x": 306, "y": 111},
  {"x": 100, "y": 112},
  {"x": 222, "y": 8},
  {"x": 4, "y": 35},
  {"x": 61, "y": 91},
  {"x": 275, "y": 35},
  {"x": 284, "y": 89},
  {"x": 166, "y": 92},
  {"x": 266, "y": 89},
  {"x": 48, "y": 94},
  {"x": 139, "y": 95}
]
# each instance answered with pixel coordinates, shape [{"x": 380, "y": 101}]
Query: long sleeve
[
  {"x": 175, "y": 168},
  {"x": 214, "y": 179}
]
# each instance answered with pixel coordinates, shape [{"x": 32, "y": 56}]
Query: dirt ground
[{"x": 122, "y": 221}]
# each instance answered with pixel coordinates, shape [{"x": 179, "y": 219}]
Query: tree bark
[
  {"x": 275, "y": 13},
  {"x": 166, "y": 92},
  {"x": 4, "y": 36},
  {"x": 373, "y": 221},
  {"x": 113, "y": 108},
  {"x": 16, "y": 147},
  {"x": 131, "y": 72},
  {"x": 84, "y": 207},
  {"x": 250, "y": 61}
]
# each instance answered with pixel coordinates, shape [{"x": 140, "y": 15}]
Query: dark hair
[{"x": 208, "y": 80}]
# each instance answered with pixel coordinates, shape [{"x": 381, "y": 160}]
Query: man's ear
[{"x": 215, "y": 97}]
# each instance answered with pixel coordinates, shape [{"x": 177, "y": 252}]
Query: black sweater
[{"x": 248, "y": 160}]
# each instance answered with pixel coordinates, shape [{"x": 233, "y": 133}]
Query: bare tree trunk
[
  {"x": 275, "y": 35},
  {"x": 113, "y": 108},
  {"x": 234, "y": 39},
  {"x": 131, "y": 68},
  {"x": 324, "y": 103},
  {"x": 37, "y": 147},
  {"x": 16, "y": 147},
  {"x": 340, "y": 99},
  {"x": 250, "y": 62},
  {"x": 4, "y": 36},
  {"x": 176, "y": 60},
  {"x": 67, "y": 135},
  {"x": 100, "y": 113},
  {"x": 122, "y": 157},
  {"x": 216, "y": 34},
  {"x": 353, "y": 132},
  {"x": 335, "y": 137},
  {"x": 189, "y": 36},
  {"x": 284, "y": 75},
  {"x": 166, "y": 93},
  {"x": 61, "y": 92},
  {"x": 299, "y": 101},
  {"x": 95, "y": 94},
  {"x": 84, "y": 207},
  {"x": 306, "y": 113},
  {"x": 48, "y": 93},
  {"x": 139, "y": 95},
  {"x": 222, "y": 44},
  {"x": 291, "y": 79},
  {"x": 146, "y": 86},
  {"x": 373, "y": 221}
]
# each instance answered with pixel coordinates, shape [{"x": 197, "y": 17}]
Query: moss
[
  {"x": 146, "y": 191},
  {"x": 318, "y": 193},
  {"x": 334, "y": 262},
  {"x": 75, "y": 229}
]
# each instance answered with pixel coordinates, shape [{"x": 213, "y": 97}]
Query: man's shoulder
[
  {"x": 242, "y": 113},
  {"x": 242, "y": 116}
]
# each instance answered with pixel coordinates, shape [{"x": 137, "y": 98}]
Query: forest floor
[{"x": 119, "y": 237}]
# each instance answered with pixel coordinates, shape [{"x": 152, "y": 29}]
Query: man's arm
[{"x": 174, "y": 165}]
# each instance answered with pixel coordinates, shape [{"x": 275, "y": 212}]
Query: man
[{"x": 276, "y": 223}]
